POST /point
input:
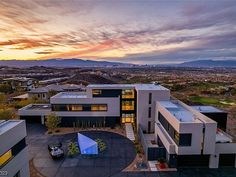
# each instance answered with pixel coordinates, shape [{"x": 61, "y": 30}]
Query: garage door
[
  {"x": 227, "y": 160},
  {"x": 193, "y": 160}
]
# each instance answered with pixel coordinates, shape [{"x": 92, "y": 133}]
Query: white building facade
[
  {"x": 170, "y": 129},
  {"x": 13, "y": 149}
]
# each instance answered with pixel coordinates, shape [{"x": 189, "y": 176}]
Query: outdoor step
[{"x": 129, "y": 131}]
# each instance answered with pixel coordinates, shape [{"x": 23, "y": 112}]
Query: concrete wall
[
  {"x": 18, "y": 163},
  {"x": 143, "y": 106},
  {"x": 196, "y": 143},
  {"x": 9, "y": 138}
]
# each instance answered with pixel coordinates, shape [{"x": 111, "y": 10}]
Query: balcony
[{"x": 166, "y": 140}]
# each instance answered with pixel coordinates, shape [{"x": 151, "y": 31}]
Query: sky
[{"x": 131, "y": 31}]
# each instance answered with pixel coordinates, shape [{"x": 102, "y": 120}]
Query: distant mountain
[
  {"x": 209, "y": 63},
  {"x": 74, "y": 62}
]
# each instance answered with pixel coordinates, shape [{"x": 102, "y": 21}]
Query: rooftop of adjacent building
[
  {"x": 6, "y": 125},
  {"x": 207, "y": 109},
  {"x": 56, "y": 87},
  {"x": 22, "y": 79},
  {"x": 129, "y": 86},
  {"x": 70, "y": 95}
]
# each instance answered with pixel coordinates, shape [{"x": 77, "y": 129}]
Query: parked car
[{"x": 56, "y": 151}]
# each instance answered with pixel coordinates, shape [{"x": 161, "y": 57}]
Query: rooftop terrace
[
  {"x": 39, "y": 107},
  {"x": 178, "y": 111},
  {"x": 70, "y": 95}
]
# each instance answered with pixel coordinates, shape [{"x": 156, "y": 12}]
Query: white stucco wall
[{"x": 143, "y": 106}]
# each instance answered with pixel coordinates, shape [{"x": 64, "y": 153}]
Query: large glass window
[
  {"x": 5, "y": 157},
  {"x": 149, "y": 112},
  {"x": 185, "y": 139},
  {"x": 128, "y": 93},
  {"x": 127, "y": 118},
  {"x": 181, "y": 139},
  {"x": 96, "y": 92},
  {"x": 99, "y": 108},
  {"x": 80, "y": 107},
  {"x": 76, "y": 108},
  {"x": 127, "y": 105},
  {"x": 150, "y": 98}
]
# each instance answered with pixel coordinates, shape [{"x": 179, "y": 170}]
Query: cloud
[
  {"x": 46, "y": 52},
  {"x": 172, "y": 32}
]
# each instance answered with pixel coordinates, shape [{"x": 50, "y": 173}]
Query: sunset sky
[{"x": 134, "y": 31}]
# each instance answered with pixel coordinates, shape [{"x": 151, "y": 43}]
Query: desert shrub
[
  {"x": 101, "y": 145},
  {"x": 72, "y": 149}
]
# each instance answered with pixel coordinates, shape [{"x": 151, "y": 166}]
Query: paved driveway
[{"x": 119, "y": 154}]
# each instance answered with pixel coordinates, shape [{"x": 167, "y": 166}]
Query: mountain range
[
  {"x": 74, "y": 62},
  {"x": 209, "y": 63}
]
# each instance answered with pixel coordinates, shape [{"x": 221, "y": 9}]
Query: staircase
[{"x": 129, "y": 131}]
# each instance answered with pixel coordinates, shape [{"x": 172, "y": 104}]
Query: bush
[
  {"x": 101, "y": 145},
  {"x": 72, "y": 149},
  {"x": 7, "y": 113}
]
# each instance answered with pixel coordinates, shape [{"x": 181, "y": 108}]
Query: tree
[{"x": 52, "y": 121}]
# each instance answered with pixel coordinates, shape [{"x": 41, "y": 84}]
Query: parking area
[{"x": 120, "y": 153}]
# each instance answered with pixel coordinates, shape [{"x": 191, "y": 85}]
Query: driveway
[{"x": 120, "y": 153}]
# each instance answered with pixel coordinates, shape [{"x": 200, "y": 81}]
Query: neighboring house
[
  {"x": 167, "y": 128},
  {"x": 24, "y": 96},
  {"x": 13, "y": 149},
  {"x": 23, "y": 83},
  {"x": 43, "y": 93}
]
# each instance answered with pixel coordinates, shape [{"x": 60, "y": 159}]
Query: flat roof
[
  {"x": 39, "y": 107},
  {"x": 136, "y": 86},
  {"x": 206, "y": 109},
  {"x": 71, "y": 95},
  {"x": 7, "y": 125},
  {"x": 178, "y": 111}
]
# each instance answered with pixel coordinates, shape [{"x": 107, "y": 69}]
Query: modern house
[
  {"x": 168, "y": 128},
  {"x": 13, "y": 150},
  {"x": 187, "y": 137},
  {"x": 22, "y": 83},
  {"x": 105, "y": 105},
  {"x": 43, "y": 93}
]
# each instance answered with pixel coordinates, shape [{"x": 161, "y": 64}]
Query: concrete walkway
[{"x": 129, "y": 131}]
